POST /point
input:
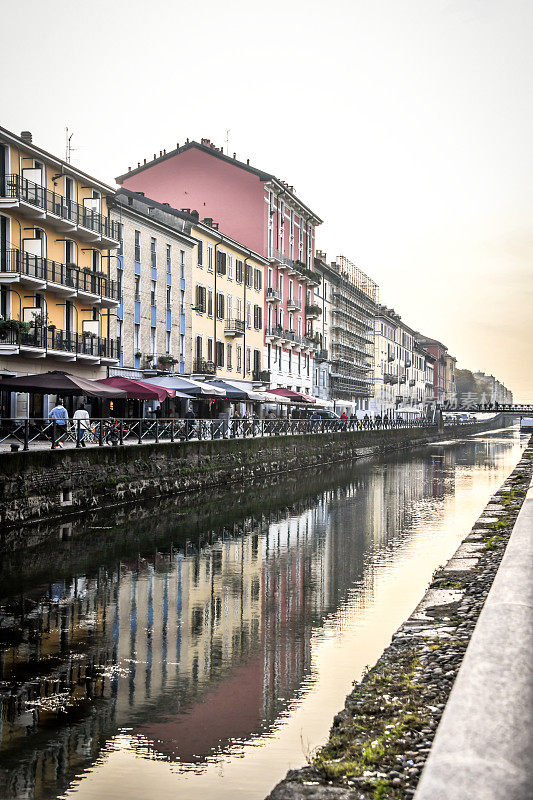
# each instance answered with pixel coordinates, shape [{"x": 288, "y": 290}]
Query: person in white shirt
[{"x": 82, "y": 420}]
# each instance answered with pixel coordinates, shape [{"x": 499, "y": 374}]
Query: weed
[{"x": 494, "y": 542}]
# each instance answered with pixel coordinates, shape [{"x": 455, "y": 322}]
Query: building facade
[
  {"x": 491, "y": 390},
  {"x": 450, "y": 388},
  {"x": 349, "y": 303},
  {"x": 400, "y": 368},
  {"x": 154, "y": 268},
  {"x": 58, "y": 288},
  {"x": 265, "y": 214},
  {"x": 439, "y": 352}
]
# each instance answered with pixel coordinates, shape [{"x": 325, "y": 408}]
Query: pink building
[
  {"x": 263, "y": 213},
  {"x": 439, "y": 352}
]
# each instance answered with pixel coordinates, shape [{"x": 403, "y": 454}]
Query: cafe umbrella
[{"x": 62, "y": 384}]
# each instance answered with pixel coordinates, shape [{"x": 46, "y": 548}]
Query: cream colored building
[{"x": 58, "y": 289}]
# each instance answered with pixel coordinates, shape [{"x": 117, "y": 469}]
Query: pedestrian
[
  {"x": 344, "y": 415},
  {"x": 366, "y": 421},
  {"x": 82, "y": 421},
  {"x": 189, "y": 422},
  {"x": 59, "y": 415}
]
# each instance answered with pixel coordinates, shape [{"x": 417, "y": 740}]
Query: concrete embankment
[
  {"x": 46, "y": 484},
  {"x": 380, "y": 741}
]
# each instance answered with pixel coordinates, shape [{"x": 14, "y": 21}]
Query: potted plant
[{"x": 138, "y": 354}]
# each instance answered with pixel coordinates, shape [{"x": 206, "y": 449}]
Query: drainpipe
[
  {"x": 244, "y": 312},
  {"x": 215, "y": 266}
]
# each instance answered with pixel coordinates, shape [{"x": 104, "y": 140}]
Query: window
[
  {"x": 248, "y": 271},
  {"x": 281, "y": 318},
  {"x": 120, "y": 282},
  {"x": 221, "y": 263},
  {"x": 198, "y": 348},
  {"x": 257, "y": 361},
  {"x": 228, "y": 356},
  {"x": 219, "y": 352},
  {"x": 258, "y": 318},
  {"x": 220, "y": 306},
  {"x": 137, "y": 246},
  {"x": 210, "y": 258},
  {"x": 153, "y": 253},
  {"x": 167, "y": 342},
  {"x": 200, "y": 299},
  {"x": 137, "y": 289},
  {"x": 238, "y": 271},
  {"x": 209, "y": 349},
  {"x": 239, "y": 309},
  {"x": 229, "y": 307},
  {"x": 120, "y": 250},
  {"x": 280, "y": 285},
  {"x": 239, "y": 357},
  {"x": 169, "y": 296},
  {"x": 248, "y": 314},
  {"x": 300, "y": 295},
  {"x": 229, "y": 264},
  {"x": 269, "y": 350},
  {"x": 153, "y": 291},
  {"x": 258, "y": 280},
  {"x": 209, "y": 302},
  {"x": 299, "y": 326},
  {"x": 182, "y": 346},
  {"x": 169, "y": 258},
  {"x": 291, "y": 295},
  {"x": 299, "y": 363},
  {"x": 270, "y": 277},
  {"x": 200, "y": 254},
  {"x": 291, "y": 318},
  {"x": 290, "y": 360},
  {"x": 182, "y": 302},
  {"x": 248, "y": 359},
  {"x": 136, "y": 338},
  {"x": 97, "y": 260},
  {"x": 152, "y": 341},
  {"x": 182, "y": 264}
]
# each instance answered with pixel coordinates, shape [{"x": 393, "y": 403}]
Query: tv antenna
[
  {"x": 227, "y": 140},
  {"x": 68, "y": 145}
]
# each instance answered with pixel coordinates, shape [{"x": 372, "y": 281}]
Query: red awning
[
  {"x": 139, "y": 390},
  {"x": 298, "y": 397}
]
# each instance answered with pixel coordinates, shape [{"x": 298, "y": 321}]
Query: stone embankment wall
[{"x": 44, "y": 484}]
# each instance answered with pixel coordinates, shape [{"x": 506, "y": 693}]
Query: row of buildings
[{"x": 199, "y": 264}]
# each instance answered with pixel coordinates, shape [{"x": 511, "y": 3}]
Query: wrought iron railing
[
  {"x": 20, "y": 188},
  {"x": 51, "y": 338},
  {"x": 15, "y": 261}
]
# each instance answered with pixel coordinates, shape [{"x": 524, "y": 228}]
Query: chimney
[
  {"x": 164, "y": 152},
  {"x": 208, "y": 221},
  {"x": 155, "y": 156},
  {"x": 129, "y": 169},
  {"x": 26, "y": 137},
  {"x": 160, "y": 153},
  {"x": 141, "y": 194},
  {"x": 205, "y": 142},
  {"x": 186, "y": 210},
  {"x": 138, "y": 163},
  {"x": 145, "y": 161},
  {"x": 248, "y": 161},
  {"x": 187, "y": 140},
  {"x": 177, "y": 145},
  {"x": 234, "y": 155},
  {"x": 195, "y": 215}
]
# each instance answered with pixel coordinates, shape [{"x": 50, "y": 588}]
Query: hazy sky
[{"x": 407, "y": 125}]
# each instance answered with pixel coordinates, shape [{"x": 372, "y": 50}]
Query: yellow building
[
  {"x": 226, "y": 321},
  {"x": 58, "y": 294}
]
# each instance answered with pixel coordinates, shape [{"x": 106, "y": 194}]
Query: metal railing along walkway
[{"x": 26, "y": 434}]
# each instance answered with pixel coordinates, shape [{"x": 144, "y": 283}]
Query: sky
[{"x": 407, "y": 125}]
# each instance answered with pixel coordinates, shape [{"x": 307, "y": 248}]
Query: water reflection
[{"x": 190, "y": 628}]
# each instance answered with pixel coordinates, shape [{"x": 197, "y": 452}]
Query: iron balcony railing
[
  {"x": 19, "y": 188},
  {"x": 273, "y": 294},
  {"x": 69, "y": 275},
  {"x": 322, "y": 355},
  {"x": 49, "y": 338},
  {"x": 235, "y": 326},
  {"x": 203, "y": 367}
]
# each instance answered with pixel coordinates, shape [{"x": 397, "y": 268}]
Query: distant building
[
  {"x": 264, "y": 214},
  {"x": 439, "y": 352},
  {"x": 58, "y": 289},
  {"x": 491, "y": 390},
  {"x": 401, "y": 367},
  {"x": 450, "y": 388},
  {"x": 348, "y": 308}
]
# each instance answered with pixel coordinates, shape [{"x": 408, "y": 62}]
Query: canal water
[{"x": 200, "y": 649}]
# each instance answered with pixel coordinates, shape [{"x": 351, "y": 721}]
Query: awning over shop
[
  {"x": 186, "y": 385},
  {"x": 139, "y": 390},
  {"x": 60, "y": 383},
  {"x": 233, "y": 391},
  {"x": 298, "y": 397}
]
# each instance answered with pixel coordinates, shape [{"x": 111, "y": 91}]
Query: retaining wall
[{"x": 44, "y": 484}]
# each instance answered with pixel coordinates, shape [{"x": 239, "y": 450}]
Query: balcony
[
  {"x": 234, "y": 327},
  {"x": 67, "y": 280},
  {"x": 273, "y": 295},
  {"x": 293, "y": 304},
  {"x": 312, "y": 311},
  {"x": 321, "y": 355},
  {"x": 40, "y": 341},
  {"x": 59, "y": 212},
  {"x": 262, "y": 375},
  {"x": 389, "y": 377},
  {"x": 281, "y": 261},
  {"x": 202, "y": 367}
]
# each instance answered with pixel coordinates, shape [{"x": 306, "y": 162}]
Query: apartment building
[
  {"x": 213, "y": 321},
  {"x": 353, "y": 297},
  {"x": 450, "y": 388},
  {"x": 265, "y": 214},
  {"x": 439, "y": 352},
  {"x": 58, "y": 288},
  {"x": 491, "y": 390},
  {"x": 399, "y": 368},
  {"x": 323, "y": 313},
  {"x": 154, "y": 268}
]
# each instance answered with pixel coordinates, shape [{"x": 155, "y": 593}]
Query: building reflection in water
[{"x": 195, "y": 647}]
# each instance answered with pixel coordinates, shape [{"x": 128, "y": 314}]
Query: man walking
[
  {"x": 59, "y": 415},
  {"x": 81, "y": 420}
]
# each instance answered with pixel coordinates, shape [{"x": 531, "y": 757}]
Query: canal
[{"x": 200, "y": 649}]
